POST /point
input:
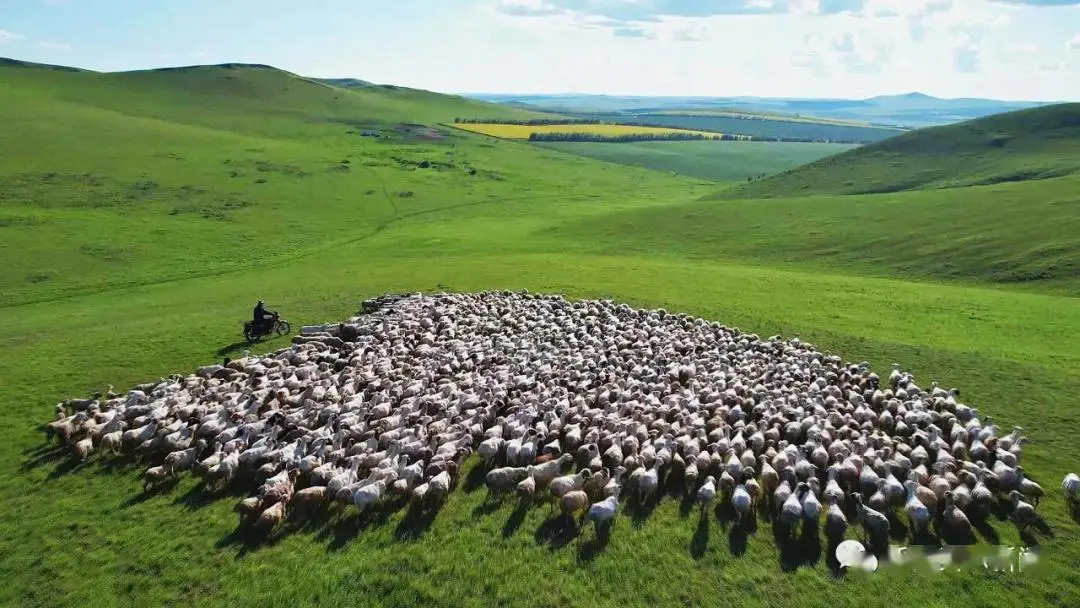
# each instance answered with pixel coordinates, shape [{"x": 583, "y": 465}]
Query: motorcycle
[{"x": 276, "y": 325}]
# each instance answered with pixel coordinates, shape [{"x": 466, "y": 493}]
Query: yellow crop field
[{"x": 523, "y": 131}]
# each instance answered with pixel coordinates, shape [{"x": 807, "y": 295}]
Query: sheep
[
  {"x": 1023, "y": 512},
  {"x": 504, "y": 479},
  {"x": 271, "y": 518},
  {"x": 309, "y": 499},
  {"x": 526, "y": 488},
  {"x": 835, "y": 521},
  {"x": 1071, "y": 486},
  {"x": 547, "y": 386},
  {"x": 954, "y": 518},
  {"x": 603, "y": 512},
  {"x": 791, "y": 510},
  {"x": 439, "y": 487},
  {"x": 543, "y": 473},
  {"x": 1028, "y": 488},
  {"x": 184, "y": 459},
  {"x": 811, "y": 507},
  {"x": 154, "y": 475},
  {"x": 490, "y": 449},
  {"x": 82, "y": 448},
  {"x": 741, "y": 501},
  {"x": 918, "y": 514},
  {"x": 574, "y": 501},
  {"x": 110, "y": 442},
  {"x": 249, "y": 508},
  {"x": 648, "y": 483},
  {"x": 368, "y": 495},
  {"x": 567, "y": 483},
  {"x": 875, "y": 524}
]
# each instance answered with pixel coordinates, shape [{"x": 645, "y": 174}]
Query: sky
[{"x": 1002, "y": 49}]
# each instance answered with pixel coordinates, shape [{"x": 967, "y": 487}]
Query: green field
[
  {"x": 726, "y": 161},
  {"x": 142, "y": 214}
]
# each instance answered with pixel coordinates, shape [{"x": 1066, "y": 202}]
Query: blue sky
[{"x": 1008, "y": 49}]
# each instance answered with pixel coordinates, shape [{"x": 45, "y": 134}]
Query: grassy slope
[
  {"x": 720, "y": 161},
  {"x": 81, "y": 535},
  {"x": 1018, "y": 234},
  {"x": 1015, "y": 146},
  {"x": 108, "y": 193}
]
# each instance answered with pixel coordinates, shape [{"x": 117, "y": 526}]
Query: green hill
[
  {"x": 143, "y": 213},
  {"x": 1024, "y": 145}
]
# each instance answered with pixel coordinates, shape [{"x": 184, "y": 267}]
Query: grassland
[
  {"x": 105, "y": 284},
  {"x": 730, "y": 162},
  {"x": 523, "y": 131}
]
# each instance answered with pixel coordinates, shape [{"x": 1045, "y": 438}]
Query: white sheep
[
  {"x": 368, "y": 495},
  {"x": 1071, "y": 487},
  {"x": 604, "y": 512},
  {"x": 567, "y": 483},
  {"x": 504, "y": 479}
]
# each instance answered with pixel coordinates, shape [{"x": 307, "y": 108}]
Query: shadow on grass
[
  {"x": 983, "y": 528},
  {"x": 639, "y": 510},
  {"x": 898, "y": 529},
  {"x": 1039, "y": 525},
  {"x": 491, "y": 504},
  {"x": 557, "y": 531},
  {"x": 68, "y": 466},
  {"x": 739, "y": 535},
  {"x": 248, "y": 538},
  {"x": 1074, "y": 512},
  {"x": 235, "y": 347},
  {"x": 161, "y": 488},
  {"x": 202, "y": 495},
  {"x": 699, "y": 543},
  {"x": 416, "y": 522},
  {"x": 725, "y": 514},
  {"x": 686, "y": 504},
  {"x": 515, "y": 520},
  {"x": 595, "y": 545},
  {"x": 796, "y": 550},
  {"x": 832, "y": 542},
  {"x": 42, "y": 455},
  {"x": 475, "y": 479}
]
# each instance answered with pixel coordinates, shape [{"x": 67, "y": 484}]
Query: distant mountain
[{"x": 909, "y": 110}]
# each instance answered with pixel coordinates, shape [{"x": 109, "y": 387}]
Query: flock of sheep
[{"x": 589, "y": 402}]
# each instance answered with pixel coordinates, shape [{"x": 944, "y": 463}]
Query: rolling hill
[
  {"x": 1024, "y": 145},
  {"x": 143, "y": 213}
]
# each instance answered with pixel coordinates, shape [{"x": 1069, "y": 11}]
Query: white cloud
[
  {"x": 54, "y": 46},
  {"x": 1021, "y": 47},
  {"x": 528, "y": 8},
  {"x": 6, "y": 36},
  {"x": 1074, "y": 43},
  {"x": 949, "y": 48}
]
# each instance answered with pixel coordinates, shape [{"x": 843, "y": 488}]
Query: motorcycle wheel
[{"x": 283, "y": 328}]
